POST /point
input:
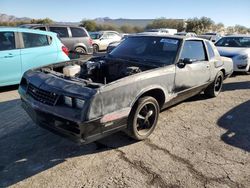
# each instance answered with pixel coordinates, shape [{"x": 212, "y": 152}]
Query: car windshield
[
  {"x": 95, "y": 35},
  {"x": 239, "y": 42},
  {"x": 158, "y": 51}
]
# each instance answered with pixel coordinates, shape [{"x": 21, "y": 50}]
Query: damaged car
[{"x": 125, "y": 90}]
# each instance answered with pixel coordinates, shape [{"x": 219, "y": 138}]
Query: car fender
[
  {"x": 80, "y": 45},
  {"x": 147, "y": 89}
]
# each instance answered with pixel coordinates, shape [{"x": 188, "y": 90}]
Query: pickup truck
[{"x": 124, "y": 90}]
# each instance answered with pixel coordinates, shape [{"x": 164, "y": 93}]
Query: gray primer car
[
  {"x": 75, "y": 38},
  {"x": 124, "y": 90}
]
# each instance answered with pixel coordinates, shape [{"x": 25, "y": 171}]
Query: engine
[{"x": 103, "y": 72}]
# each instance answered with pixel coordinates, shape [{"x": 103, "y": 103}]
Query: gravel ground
[{"x": 198, "y": 143}]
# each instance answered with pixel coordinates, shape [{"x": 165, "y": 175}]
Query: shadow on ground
[
  {"x": 8, "y": 88},
  {"x": 27, "y": 149},
  {"x": 237, "y": 125},
  {"x": 236, "y": 86}
]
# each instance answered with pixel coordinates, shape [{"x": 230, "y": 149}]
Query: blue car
[{"x": 23, "y": 49}]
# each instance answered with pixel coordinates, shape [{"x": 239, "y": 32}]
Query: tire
[
  {"x": 80, "y": 50},
  {"x": 248, "y": 72},
  {"x": 95, "y": 48},
  {"x": 143, "y": 118},
  {"x": 214, "y": 89}
]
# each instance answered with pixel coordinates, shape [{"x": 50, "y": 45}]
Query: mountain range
[
  {"x": 10, "y": 18},
  {"x": 105, "y": 20}
]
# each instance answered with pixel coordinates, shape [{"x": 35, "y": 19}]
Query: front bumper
[
  {"x": 241, "y": 66},
  {"x": 80, "y": 132}
]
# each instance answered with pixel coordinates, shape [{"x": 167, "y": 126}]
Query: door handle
[{"x": 9, "y": 56}]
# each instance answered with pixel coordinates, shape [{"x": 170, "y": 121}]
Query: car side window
[
  {"x": 61, "y": 31},
  {"x": 34, "y": 40},
  {"x": 41, "y": 28},
  {"x": 105, "y": 36},
  {"x": 7, "y": 41},
  {"x": 210, "y": 50},
  {"x": 112, "y": 35},
  {"x": 194, "y": 50},
  {"x": 78, "y": 32}
]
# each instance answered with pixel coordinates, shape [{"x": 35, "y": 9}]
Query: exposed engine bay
[{"x": 96, "y": 71}]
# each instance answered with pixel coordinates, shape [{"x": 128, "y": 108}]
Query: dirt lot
[{"x": 198, "y": 143}]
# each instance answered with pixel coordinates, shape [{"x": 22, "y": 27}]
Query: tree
[
  {"x": 240, "y": 29},
  {"x": 89, "y": 25},
  {"x": 199, "y": 26},
  {"x": 166, "y": 23},
  {"x": 42, "y": 21},
  {"x": 127, "y": 29}
]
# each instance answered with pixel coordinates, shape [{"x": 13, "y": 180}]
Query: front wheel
[
  {"x": 143, "y": 118},
  {"x": 248, "y": 72},
  {"x": 214, "y": 89}
]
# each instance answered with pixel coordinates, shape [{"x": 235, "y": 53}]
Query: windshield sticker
[{"x": 169, "y": 41}]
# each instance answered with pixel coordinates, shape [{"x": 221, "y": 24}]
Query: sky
[{"x": 229, "y": 12}]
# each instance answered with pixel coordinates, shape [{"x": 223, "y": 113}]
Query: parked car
[
  {"x": 113, "y": 45},
  {"x": 22, "y": 49},
  {"x": 124, "y": 90},
  {"x": 214, "y": 37},
  {"x": 75, "y": 38},
  {"x": 236, "y": 47},
  {"x": 102, "y": 39},
  {"x": 187, "y": 34}
]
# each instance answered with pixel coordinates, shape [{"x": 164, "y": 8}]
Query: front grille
[{"x": 42, "y": 96}]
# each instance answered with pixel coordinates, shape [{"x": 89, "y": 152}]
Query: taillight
[
  {"x": 65, "y": 50},
  {"x": 90, "y": 41}
]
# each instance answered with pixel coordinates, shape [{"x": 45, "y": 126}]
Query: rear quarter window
[
  {"x": 193, "y": 50},
  {"x": 210, "y": 50},
  {"x": 61, "y": 31},
  {"x": 78, "y": 32},
  {"x": 35, "y": 40}
]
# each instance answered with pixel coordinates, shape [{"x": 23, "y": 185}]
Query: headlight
[
  {"x": 68, "y": 101},
  {"x": 242, "y": 57},
  {"x": 79, "y": 103},
  {"x": 73, "y": 102}
]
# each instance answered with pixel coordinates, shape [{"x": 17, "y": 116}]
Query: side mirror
[{"x": 183, "y": 62}]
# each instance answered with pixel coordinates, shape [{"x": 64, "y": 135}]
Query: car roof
[
  {"x": 19, "y": 29},
  {"x": 168, "y": 36},
  {"x": 237, "y": 36}
]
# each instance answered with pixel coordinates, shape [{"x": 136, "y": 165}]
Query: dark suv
[{"x": 75, "y": 38}]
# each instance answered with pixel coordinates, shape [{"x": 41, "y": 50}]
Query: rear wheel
[
  {"x": 95, "y": 48},
  {"x": 214, "y": 89},
  {"x": 80, "y": 50},
  {"x": 143, "y": 118}
]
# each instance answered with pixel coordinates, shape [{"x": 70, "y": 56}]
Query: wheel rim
[
  {"x": 146, "y": 118},
  {"x": 95, "y": 48},
  {"x": 80, "y": 50},
  {"x": 218, "y": 84}
]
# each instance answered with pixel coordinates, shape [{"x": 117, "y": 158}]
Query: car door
[
  {"x": 195, "y": 75},
  {"x": 38, "y": 50},
  {"x": 114, "y": 37},
  {"x": 10, "y": 61},
  {"x": 104, "y": 41}
]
